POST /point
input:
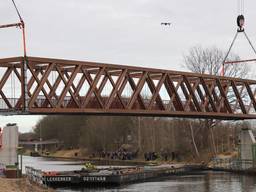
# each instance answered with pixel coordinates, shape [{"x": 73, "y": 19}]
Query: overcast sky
[{"x": 122, "y": 31}]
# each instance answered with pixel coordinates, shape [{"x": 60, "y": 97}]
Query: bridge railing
[
  {"x": 233, "y": 164},
  {"x": 34, "y": 175}
]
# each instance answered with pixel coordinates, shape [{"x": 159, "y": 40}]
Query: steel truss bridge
[{"x": 34, "y": 85}]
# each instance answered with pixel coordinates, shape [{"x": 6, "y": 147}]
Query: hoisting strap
[
  {"x": 229, "y": 50},
  {"x": 240, "y": 23},
  {"x": 250, "y": 42}
]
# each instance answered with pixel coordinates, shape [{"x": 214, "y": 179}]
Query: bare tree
[
  {"x": 193, "y": 139},
  {"x": 209, "y": 61}
]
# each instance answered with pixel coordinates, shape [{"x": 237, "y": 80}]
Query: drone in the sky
[{"x": 166, "y": 23}]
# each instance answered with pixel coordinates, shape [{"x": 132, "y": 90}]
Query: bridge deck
[{"x": 73, "y": 87}]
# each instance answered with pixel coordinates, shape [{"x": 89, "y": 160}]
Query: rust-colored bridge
[{"x": 68, "y": 87}]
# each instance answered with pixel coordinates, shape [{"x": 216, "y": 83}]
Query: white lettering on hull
[
  {"x": 94, "y": 179},
  {"x": 58, "y": 179}
]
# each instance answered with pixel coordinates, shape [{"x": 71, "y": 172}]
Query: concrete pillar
[
  {"x": 247, "y": 139},
  {"x": 8, "y": 152},
  {"x": 36, "y": 147}
]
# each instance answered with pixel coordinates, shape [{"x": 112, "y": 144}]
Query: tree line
[
  {"x": 195, "y": 138},
  {"x": 94, "y": 134}
]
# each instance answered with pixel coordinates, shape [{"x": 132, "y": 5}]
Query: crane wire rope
[
  {"x": 17, "y": 10},
  {"x": 21, "y": 25},
  {"x": 240, "y": 24}
]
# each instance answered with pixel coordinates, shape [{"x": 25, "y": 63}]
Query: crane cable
[
  {"x": 240, "y": 7},
  {"x": 17, "y": 11},
  {"x": 22, "y": 26},
  {"x": 240, "y": 24}
]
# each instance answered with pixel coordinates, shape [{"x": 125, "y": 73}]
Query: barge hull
[{"x": 114, "y": 180}]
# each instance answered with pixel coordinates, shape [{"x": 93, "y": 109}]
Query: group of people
[
  {"x": 123, "y": 154},
  {"x": 152, "y": 156},
  {"x": 120, "y": 154}
]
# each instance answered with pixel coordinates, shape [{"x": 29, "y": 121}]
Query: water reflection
[
  {"x": 205, "y": 182},
  {"x": 47, "y": 164}
]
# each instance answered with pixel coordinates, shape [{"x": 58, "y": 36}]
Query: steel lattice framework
[{"x": 66, "y": 87}]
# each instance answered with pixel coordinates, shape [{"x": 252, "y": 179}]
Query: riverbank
[
  {"x": 20, "y": 185},
  {"x": 69, "y": 155},
  {"x": 82, "y": 155},
  {"x": 101, "y": 161}
]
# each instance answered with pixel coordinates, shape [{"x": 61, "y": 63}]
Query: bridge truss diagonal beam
[{"x": 73, "y": 87}]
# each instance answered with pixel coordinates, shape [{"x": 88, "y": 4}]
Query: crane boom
[
  {"x": 20, "y": 25},
  {"x": 11, "y": 25}
]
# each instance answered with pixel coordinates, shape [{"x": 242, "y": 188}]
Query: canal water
[
  {"x": 47, "y": 164},
  {"x": 202, "y": 182}
]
